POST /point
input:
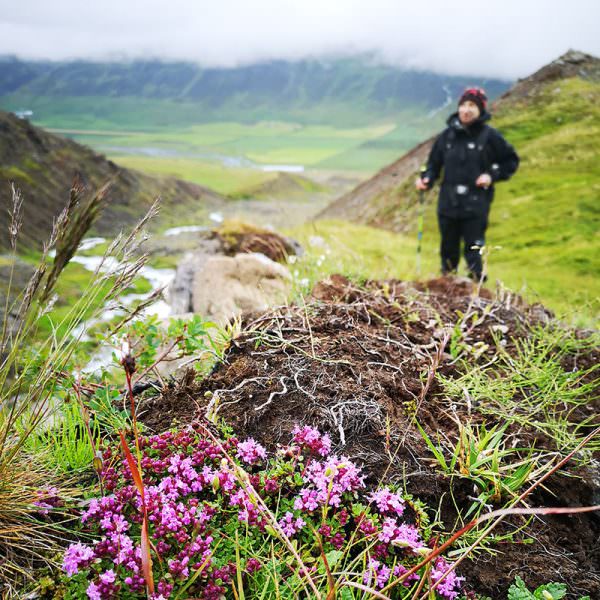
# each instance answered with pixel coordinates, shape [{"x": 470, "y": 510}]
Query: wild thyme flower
[
  {"x": 291, "y": 525},
  {"x": 253, "y": 565},
  {"x": 400, "y": 570},
  {"x": 330, "y": 479},
  {"x": 251, "y": 452},
  {"x": 311, "y": 438},
  {"x": 376, "y": 572},
  {"x": 77, "y": 556},
  {"x": 48, "y": 499},
  {"x": 387, "y": 502},
  {"x": 193, "y": 495},
  {"x": 450, "y": 586}
]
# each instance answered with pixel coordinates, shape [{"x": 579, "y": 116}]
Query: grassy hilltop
[{"x": 545, "y": 220}]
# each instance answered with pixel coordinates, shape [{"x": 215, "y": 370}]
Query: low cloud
[{"x": 508, "y": 39}]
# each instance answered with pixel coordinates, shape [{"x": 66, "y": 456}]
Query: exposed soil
[
  {"x": 250, "y": 239},
  {"x": 360, "y": 364}
]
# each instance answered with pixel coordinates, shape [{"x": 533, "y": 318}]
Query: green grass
[
  {"x": 209, "y": 174},
  {"x": 14, "y": 173},
  {"x": 547, "y": 217},
  {"x": 357, "y": 251}
]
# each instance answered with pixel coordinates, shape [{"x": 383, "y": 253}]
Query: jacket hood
[{"x": 454, "y": 122}]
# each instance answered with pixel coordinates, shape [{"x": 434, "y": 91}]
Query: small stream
[
  {"x": 231, "y": 162},
  {"x": 158, "y": 278}
]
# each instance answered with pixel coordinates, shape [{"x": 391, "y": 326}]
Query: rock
[
  {"x": 225, "y": 287},
  {"x": 179, "y": 292}
]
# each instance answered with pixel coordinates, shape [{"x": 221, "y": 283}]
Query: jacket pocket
[{"x": 477, "y": 202}]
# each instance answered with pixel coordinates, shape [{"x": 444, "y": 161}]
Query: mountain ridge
[
  {"x": 273, "y": 87},
  {"x": 42, "y": 166}
]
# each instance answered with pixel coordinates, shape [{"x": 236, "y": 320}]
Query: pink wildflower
[
  {"x": 251, "y": 451},
  {"x": 400, "y": 570},
  {"x": 404, "y": 535},
  {"x": 76, "y": 556},
  {"x": 93, "y": 592},
  {"x": 387, "y": 501},
  {"x": 377, "y": 570},
  {"x": 290, "y": 525},
  {"x": 311, "y": 438},
  {"x": 450, "y": 586}
]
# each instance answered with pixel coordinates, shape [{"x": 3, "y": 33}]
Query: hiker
[{"x": 474, "y": 156}]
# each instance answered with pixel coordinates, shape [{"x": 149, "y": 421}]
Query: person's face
[{"x": 468, "y": 112}]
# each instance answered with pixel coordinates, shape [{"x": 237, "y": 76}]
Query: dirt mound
[
  {"x": 360, "y": 363},
  {"x": 243, "y": 238}
]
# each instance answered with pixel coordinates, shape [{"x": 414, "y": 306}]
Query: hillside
[
  {"x": 547, "y": 215},
  {"x": 43, "y": 165},
  {"x": 140, "y": 94}
]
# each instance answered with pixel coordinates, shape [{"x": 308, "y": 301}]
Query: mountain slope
[
  {"x": 42, "y": 166},
  {"x": 547, "y": 218},
  {"x": 317, "y": 91}
]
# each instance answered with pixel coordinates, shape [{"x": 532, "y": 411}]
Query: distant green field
[
  {"x": 167, "y": 129},
  {"x": 211, "y": 145},
  {"x": 213, "y": 175}
]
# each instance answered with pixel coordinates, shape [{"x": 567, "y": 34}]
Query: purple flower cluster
[
  {"x": 378, "y": 574},
  {"x": 402, "y": 535},
  {"x": 450, "y": 584},
  {"x": 47, "y": 499},
  {"x": 291, "y": 525},
  {"x": 387, "y": 502},
  {"x": 311, "y": 438},
  {"x": 77, "y": 557},
  {"x": 251, "y": 452},
  {"x": 327, "y": 482},
  {"x": 195, "y": 499}
]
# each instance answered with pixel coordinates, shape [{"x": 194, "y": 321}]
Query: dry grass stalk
[
  {"x": 27, "y": 384},
  {"x": 69, "y": 229}
]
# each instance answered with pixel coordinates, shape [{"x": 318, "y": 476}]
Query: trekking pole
[{"x": 420, "y": 225}]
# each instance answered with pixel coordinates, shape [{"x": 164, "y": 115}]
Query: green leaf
[
  {"x": 333, "y": 558},
  {"x": 345, "y": 594},
  {"x": 519, "y": 591},
  {"x": 551, "y": 591}
]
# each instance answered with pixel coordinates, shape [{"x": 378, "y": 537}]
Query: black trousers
[{"x": 471, "y": 231}]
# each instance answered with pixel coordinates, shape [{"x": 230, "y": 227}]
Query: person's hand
[
  {"x": 422, "y": 184},
  {"x": 484, "y": 181}
]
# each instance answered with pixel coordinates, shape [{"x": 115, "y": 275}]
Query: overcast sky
[{"x": 503, "y": 38}]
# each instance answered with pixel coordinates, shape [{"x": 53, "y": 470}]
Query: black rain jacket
[{"x": 464, "y": 153}]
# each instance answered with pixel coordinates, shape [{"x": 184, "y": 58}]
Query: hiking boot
[{"x": 476, "y": 277}]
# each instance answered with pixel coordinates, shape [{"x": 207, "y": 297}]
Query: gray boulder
[{"x": 225, "y": 287}]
